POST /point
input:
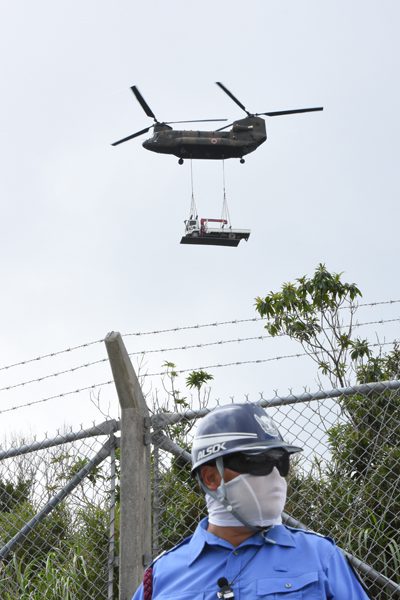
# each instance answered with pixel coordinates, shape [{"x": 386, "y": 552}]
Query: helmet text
[{"x": 210, "y": 450}]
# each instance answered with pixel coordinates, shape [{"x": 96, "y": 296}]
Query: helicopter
[{"x": 245, "y": 135}]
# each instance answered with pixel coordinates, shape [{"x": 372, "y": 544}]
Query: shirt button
[
  {"x": 235, "y": 552},
  {"x": 288, "y": 585}
]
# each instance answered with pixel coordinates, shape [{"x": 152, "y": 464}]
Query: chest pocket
[{"x": 300, "y": 587}]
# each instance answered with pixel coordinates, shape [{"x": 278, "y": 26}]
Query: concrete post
[{"x": 135, "y": 508}]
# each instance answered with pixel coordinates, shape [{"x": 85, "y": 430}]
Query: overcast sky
[{"x": 90, "y": 233}]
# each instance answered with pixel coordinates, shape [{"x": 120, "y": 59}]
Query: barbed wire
[
  {"x": 378, "y": 303},
  {"x": 51, "y": 375},
  {"x": 162, "y": 373},
  {"x": 50, "y": 355},
  {"x": 171, "y": 349},
  {"x": 249, "y": 362},
  {"x": 196, "y": 326},
  {"x": 64, "y": 394},
  {"x": 234, "y": 321},
  {"x": 170, "y": 330},
  {"x": 230, "y": 364}
]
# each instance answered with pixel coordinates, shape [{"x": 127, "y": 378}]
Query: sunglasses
[{"x": 259, "y": 464}]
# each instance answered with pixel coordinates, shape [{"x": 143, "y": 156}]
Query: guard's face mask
[{"x": 257, "y": 499}]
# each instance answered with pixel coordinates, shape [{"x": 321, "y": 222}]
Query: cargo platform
[{"x": 202, "y": 234}]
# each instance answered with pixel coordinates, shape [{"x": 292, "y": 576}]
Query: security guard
[{"x": 242, "y": 551}]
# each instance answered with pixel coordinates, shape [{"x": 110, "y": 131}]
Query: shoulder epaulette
[
  {"x": 148, "y": 574},
  {"x": 309, "y": 532},
  {"x": 164, "y": 552}
]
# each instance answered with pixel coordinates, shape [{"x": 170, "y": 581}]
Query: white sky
[{"x": 90, "y": 233}]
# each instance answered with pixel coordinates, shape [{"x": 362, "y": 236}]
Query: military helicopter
[{"x": 244, "y": 136}]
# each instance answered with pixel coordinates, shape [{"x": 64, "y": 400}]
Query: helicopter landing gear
[
  {"x": 242, "y": 161},
  {"x": 180, "y": 161}
]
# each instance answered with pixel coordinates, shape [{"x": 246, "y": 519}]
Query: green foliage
[
  {"x": 182, "y": 505},
  {"x": 46, "y": 535},
  {"x": 177, "y": 403},
  {"x": 361, "y": 484},
  {"x": 381, "y": 368},
  {"x": 90, "y": 541},
  {"x": 366, "y": 451},
  {"x": 12, "y": 494},
  {"x": 198, "y": 378},
  {"x": 175, "y": 490},
  {"x": 59, "y": 577},
  {"x": 65, "y": 555},
  {"x": 309, "y": 311}
]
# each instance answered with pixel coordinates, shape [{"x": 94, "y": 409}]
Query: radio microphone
[{"x": 226, "y": 592}]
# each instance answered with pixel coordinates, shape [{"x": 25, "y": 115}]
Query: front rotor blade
[
  {"x": 277, "y": 113},
  {"x": 143, "y": 103},
  {"x": 130, "y": 137},
  {"x": 232, "y": 97},
  {"x": 195, "y": 121}
]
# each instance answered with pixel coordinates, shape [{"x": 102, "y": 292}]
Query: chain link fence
[
  {"x": 70, "y": 505},
  {"x": 57, "y": 516},
  {"x": 344, "y": 485}
]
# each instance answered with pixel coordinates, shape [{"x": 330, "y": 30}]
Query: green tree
[
  {"x": 366, "y": 452},
  {"x": 311, "y": 312},
  {"x": 360, "y": 486}
]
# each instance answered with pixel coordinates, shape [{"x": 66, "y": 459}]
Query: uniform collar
[{"x": 278, "y": 535}]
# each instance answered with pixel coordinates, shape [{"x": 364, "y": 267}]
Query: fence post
[{"x": 135, "y": 509}]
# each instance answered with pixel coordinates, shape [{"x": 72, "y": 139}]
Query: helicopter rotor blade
[
  {"x": 143, "y": 103},
  {"x": 195, "y": 121},
  {"x": 232, "y": 97},
  {"x": 130, "y": 137},
  {"x": 278, "y": 113},
  {"x": 225, "y": 127}
]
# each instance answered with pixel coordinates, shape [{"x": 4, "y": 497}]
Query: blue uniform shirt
[{"x": 289, "y": 564}]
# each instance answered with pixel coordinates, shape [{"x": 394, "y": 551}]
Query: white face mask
[{"x": 258, "y": 499}]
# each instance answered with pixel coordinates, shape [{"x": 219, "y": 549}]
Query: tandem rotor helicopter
[{"x": 245, "y": 135}]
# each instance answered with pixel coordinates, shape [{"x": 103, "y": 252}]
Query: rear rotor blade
[
  {"x": 232, "y": 97},
  {"x": 195, "y": 121},
  {"x": 277, "y": 113},
  {"x": 143, "y": 103},
  {"x": 225, "y": 127},
  {"x": 130, "y": 137}
]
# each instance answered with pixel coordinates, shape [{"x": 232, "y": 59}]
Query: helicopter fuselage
[{"x": 244, "y": 137}]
